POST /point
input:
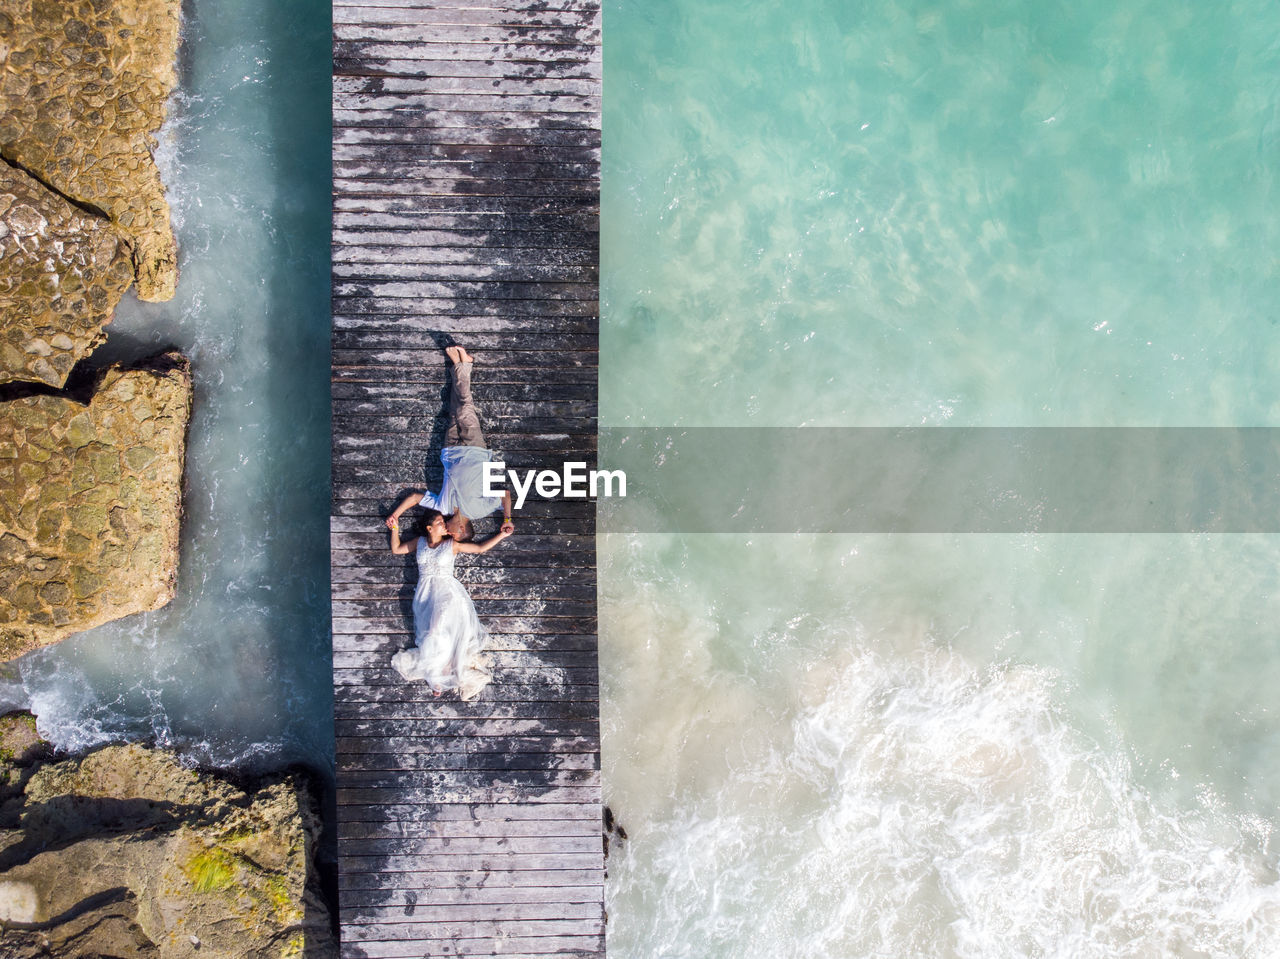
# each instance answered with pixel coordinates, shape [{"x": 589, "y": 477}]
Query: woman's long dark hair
[{"x": 426, "y": 519}]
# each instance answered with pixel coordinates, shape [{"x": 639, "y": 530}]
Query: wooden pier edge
[{"x": 466, "y": 197}]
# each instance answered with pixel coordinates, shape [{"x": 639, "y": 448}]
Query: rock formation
[
  {"x": 83, "y": 87},
  {"x": 62, "y": 272},
  {"x": 127, "y": 853},
  {"x": 90, "y": 503}
]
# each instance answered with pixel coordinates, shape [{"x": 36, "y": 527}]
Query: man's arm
[{"x": 410, "y": 501}]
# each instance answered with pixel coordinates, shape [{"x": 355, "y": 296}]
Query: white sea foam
[
  {"x": 884, "y": 794},
  {"x": 925, "y": 807}
]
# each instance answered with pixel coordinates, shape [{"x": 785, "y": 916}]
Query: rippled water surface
[
  {"x": 236, "y": 670},
  {"x": 995, "y": 214}
]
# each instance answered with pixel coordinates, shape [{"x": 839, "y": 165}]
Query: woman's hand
[
  {"x": 490, "y": 543},
  {"x": 393, "y": 521}
]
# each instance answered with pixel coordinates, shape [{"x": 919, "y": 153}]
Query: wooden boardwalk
[{"x": 466, "y": 149}]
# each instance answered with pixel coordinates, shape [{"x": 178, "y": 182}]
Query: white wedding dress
[{"x": 446, "y": 628}]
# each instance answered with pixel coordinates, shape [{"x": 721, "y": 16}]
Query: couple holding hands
[{"x": 447, "y": 632}]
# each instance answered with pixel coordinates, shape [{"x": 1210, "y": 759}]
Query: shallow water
[
  {"x": 940, "y": 214},
  {"x": 236, "y": 669}
]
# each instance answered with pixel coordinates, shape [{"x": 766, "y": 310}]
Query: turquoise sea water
[
  {"x": 978, "y": 214},
  {"x": 236, "y": 670}
]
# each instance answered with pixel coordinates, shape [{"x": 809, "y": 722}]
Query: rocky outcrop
[
  {"x": 90, "y": 503},
  {"x": 62, "y": 274},
  {"x": 83, "y": 87},
  {"x": 127, "y": 853}
]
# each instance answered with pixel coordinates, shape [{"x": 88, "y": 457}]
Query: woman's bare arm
[
  {"x": 484, "y": 547},
  {"x": 399, "y": 548}
]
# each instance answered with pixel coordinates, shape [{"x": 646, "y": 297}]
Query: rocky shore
[
  {"x": 125, "y": 852},
  {"x": 90, "y": 482},
  {"x": 83, "y": 89},
  {"x": 90, "y": 500}
]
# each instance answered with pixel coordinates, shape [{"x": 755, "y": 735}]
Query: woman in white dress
[{"x": 447, "y": 631}]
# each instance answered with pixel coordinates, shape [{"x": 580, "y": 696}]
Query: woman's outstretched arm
[
  {"x": 484, "y": 547},
  {"x": 398, "y": 547}
]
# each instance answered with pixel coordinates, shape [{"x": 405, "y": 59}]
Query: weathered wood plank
[
  {"x": 527, "y": 8},
  {"x": 468, "y": 879},
  {"x": 512, "y": 947},
  {"x": 468, "y": 137},
  {"x": 499, "y": 290},
  {"x": 513, "y": 100},
  {"x": 456, "y": 15},
  {"x": 439, "y": 847},
  {"x": 389, "y": 269},
  {"x": 421, "y": 729},
  {"x": 514, "y": 86},
  {"x": 473, "y": 812},
  {"x": 385, "y": 675},
  {"x": 364, "y": 251},
  {"x": 495, "y": 206},
  {"x": 458, "y": 912},
  {"x": 385, "y": 928},
  {"x": 464, "y": 246},
  {"x": 470, "y": 828},
  {"x": 389, "y": 761},
  {"x": 494, "y": 858},
  {"x": 416, "y": 67},
  {"x": 409, "y": 51},
  {"x": 409, "y": 707},
  {"x": 544, "y": 39},
  {"x": 436, "y": 793}
]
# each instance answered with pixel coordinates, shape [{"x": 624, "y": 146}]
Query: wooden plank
[
  {"x": 467, "y": 879},
  {"x": 514, "y": 86},
  {"x": 422, "y": 705},
  {"x": 388, "y": 761},
  {"x": 473, "y": 812},
  {"x": 528, "y": 8},
  {"x": 543, "y": 38},
  {"x": 410, "y": 50},
  {"x": 433, "y": 794},
  {"x": 421, "y": 729},
  {"x": 493, "y": 206},
  {"x": 511, "y": 948},
  {"x": 404, "y": 13},
  {"x": 355, "y": 896},
  {"x": 408, "y": 247},
  {"x": 418, "y": 67},
  {"x": 456, "y": 137},
  {"x": 471, "y": 828},
  {"x": 390, "y": 928},
  {"x": 400, "y": 94},
  {"x": 493, "y": 859},
  {"x": 456, "y": 912}
]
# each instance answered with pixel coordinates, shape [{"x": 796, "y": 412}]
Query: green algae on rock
[
  {"x": 83, "y": 88},
  {"x": 126, "y": 852},
  {"x": 64, "y": 272},
  {"x": 90, "y": 503}
]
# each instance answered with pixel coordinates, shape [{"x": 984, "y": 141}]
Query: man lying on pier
[{"x": 461, "y": 497}]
